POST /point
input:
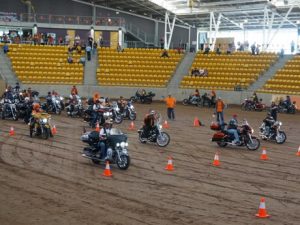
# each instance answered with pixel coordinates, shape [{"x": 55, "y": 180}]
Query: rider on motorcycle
[
  {"x": 36, "y": 109},
  {"x": 287, "y": 101},
  {"x": 269, "y": 121},
  {"x": 232, "y": 128},
  {"x": 8, "y": 94},
  {"x": 49, "y": 99},
  {"x": 122, "y": 104},
  {"x": 149, "y": 123},
  {"x": 104, "y": 132},
  {"x": 96, "y": 107},
  {"x": 255, "y": 98},
  {"x": 73, "y": 101},
  {"x": 274, "y": 110}
]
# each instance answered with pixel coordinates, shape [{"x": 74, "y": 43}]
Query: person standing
[
  {"x": 219, "y": 111},
  {"x": 88, "y": 52},
  {"x": 171, "y": 103}
]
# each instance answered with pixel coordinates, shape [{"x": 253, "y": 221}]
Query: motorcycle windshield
[{"x": 115, "y": 131}]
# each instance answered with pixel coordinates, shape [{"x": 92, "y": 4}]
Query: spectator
[
  {"x": 70, "y": 59},
  {"x": 257, "y": 50},
  {"x": 82, "y": 60},
  {"x": 5, "y": 48},
  {"x": 101, "y": 42},
  {"x": 253, "y": 49},
  {"x": 207, "y": 49},
  {"x": 88, "y": 50},
  {"x": 218, "y": 50},
  {"x": 67, "y": 39},
  {"x": 95, "y": 45},
  {"x": 74, "y": 90},
  {"x": 292, "y": 47},
  {"x": 77, "y": 40},
  {"x": 219, "y": 111},
  {"x": 162, "y": 43},
  {"x": 165, "y": 54},
  {"x": 90, "y": 41},
  {"x": 60, "y": 41},
  {"x": 171, "y": 103}
]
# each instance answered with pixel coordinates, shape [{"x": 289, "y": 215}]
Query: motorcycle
[
  {"x": 129, "y": 111},
  {"x": 283, "y": 108},
  {"x": 275, "y": 134},
  {"x": 8, "y": 109},
  {"x": 117, "y": 148},
  {"x": 24, "y": 110},
  {"x": 102, "y": 115},
  {"x": 143, "y": 99},
  {"x": 54, "y": 106},
  {"x": 156, "y": 135},
  {"x": 116, "y": 115},
  {"x": 40, "y": 125},
  {"x": 223, "y": 138},
  {"x": 249, "y": 105},
  {"x": 75, "y": 110},
  {"x": 196, "y": 102}
]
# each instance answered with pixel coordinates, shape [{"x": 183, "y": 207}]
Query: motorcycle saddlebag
[
  {"x": 218, "y": 136},
  {"x": 215, "y": 126}
]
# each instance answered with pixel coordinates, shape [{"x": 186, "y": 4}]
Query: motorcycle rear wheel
[
  {"x": 124, "y": 163},
  {"x": 163, "y": 139},
  {"x": 282, "y": 137},
  {"x": 185, "y": 102},
  {"x": 254, "y": 145}
]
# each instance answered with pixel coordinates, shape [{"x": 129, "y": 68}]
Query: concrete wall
[{"x": 229, "y": 97}]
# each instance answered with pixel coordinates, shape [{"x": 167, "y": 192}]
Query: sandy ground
[{"x": 48, "y": 181}]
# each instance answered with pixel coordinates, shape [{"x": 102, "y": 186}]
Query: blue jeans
[
  {"x": 220, "y": 118},
  {"x": 194, "y": 98},
  {"x": 102, "y": 148},
  {"x": 94, "y": 119},
  {"x": 235, "y": 134},
  {"x": 171, "y": 114}
]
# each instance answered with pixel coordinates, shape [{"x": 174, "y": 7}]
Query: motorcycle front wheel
[
  {"x": 280, "y": 138},
  {"x": 163, "y": 139},
  {"x": 124, "y": 163},
  {"x": 222, "y": 144},
  {"x": 132, "y": 99},
  {"x": 45, "y": 133},
  {"x": 253, "y": 145},
  {"x": 118, "y": 119},
  {"x": 185, "y": 102},
  {"x": 132, "y": 116}
]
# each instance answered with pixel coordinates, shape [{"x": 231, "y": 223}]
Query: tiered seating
[
  {"x": 45, "y": 65},
  {"x": 286, "y": 80},
  {"x": 225, "y": 72},
  {"x": 136, "y": 67}
]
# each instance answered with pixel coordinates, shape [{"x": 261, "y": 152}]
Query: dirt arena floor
[{"x": 48, "y": 182}]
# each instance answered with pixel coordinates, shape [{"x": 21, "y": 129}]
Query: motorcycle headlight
[
  {"x": 118, "y": 144},
  {"x": 110, "y": 113},
  {"x": 105, "y": 114},
  {"x": 123, "y": 144},
  {"x": 132, "y": 107},
  {"x": 117, "y": 109},
  {"x": 160, "y": 126},
  {"x": 126, "y": 144},
  {"x": 252, "y": 131},
  {"x": 57, "y": 102},
  {"x": 44, "y": 120},
  {"x": 61, "y": 98}
]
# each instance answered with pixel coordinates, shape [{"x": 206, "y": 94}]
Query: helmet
[
  {"x": 36, "y": 106},
  {"x": 152, "y": 112}
]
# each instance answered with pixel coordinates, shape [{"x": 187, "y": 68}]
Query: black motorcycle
[
  {"x": 8, "y": 109},
  {"x": 117, "y": 148},
  {"x": 190, "y": 101},
  {"x": 284, "y": 108},
  {"x": 74, "y": 110},
  {"x": 143, "y": 98},
  {"x": 224, "y": 138},
  {"x": 155, "y": 135},
  {"x": 52, "y": 106},
  {"x": 129, "y": 111},
  {"x": 275, "y": 134}
]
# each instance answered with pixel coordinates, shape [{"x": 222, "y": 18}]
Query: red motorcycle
[
  {"x": 223, "y": 138},
  {"x": 250, "y": 105}
]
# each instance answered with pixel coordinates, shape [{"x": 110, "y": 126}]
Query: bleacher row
[
  {"x": 286, "y": 80},
  {"x": 145, "y": 67},
  {"x": 45, "y": 65}
]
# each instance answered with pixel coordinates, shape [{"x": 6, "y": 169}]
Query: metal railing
[
  {"x": 73, "y": 20},
  {"x": 137, "y": 32}
]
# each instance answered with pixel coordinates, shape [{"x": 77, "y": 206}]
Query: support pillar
[{"x": 169, "y": 28}]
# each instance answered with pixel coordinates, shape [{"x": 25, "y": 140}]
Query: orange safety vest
[
  {"x": 220, "y": 106},
  {"x": 170, "y": 102}
]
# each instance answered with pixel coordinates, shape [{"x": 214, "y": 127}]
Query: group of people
[{"x": 199, "y": 72}]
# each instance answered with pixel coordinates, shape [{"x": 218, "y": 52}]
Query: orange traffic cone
[
  {"x": 166, "y": 125},
  {"x": 262, "y": 212},
  {"x": 97, "y": 127},
  {"x": 298, "y": 153},
  {"x": 54, "y": 131},
  {"x": 196, "y": 122},
  {"x": 107, "y": 172},
  {"x": 169, "y": 166},
  {"x": 11, "y": 131},
  {"x": 131, "y": 127},
  {"x": 216, "y": 160},
  {"x": 264, "y": 154}
]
